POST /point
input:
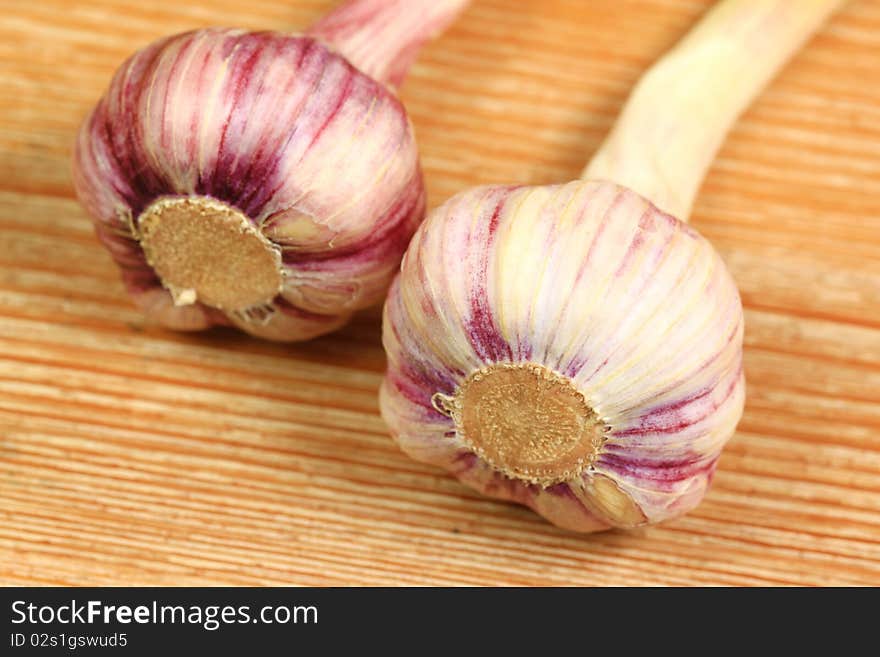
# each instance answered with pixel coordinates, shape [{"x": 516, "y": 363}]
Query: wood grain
[{"x": 133, "y": 455}]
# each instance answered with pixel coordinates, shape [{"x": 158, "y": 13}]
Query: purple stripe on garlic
[
  {"x": 260, "y": 179},
  {"x": 575, "y": 348}
]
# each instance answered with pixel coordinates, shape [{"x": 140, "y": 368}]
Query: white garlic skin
[
  {"x": 594, "y": 283},
  {"x": 319, "y": 156}
]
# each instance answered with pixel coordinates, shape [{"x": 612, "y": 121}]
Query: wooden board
[{"x": 134, "y": 455}]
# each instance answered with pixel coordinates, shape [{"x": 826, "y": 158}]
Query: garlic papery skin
[
  {"x": 575, "y": 348},
  {"x": 261, "y": 179}
]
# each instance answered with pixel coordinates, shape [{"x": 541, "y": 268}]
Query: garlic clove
[
  {"x": 356, "y": 277},
  {"x": 296, "y": 230}
]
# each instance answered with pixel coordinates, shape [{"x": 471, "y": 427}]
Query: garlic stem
[
  {"x": 680, "y": 111},
  {"x": 383, "y": 37}
]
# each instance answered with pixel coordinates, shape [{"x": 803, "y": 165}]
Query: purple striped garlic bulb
[
  {"x": 577, "y": 348},
  {"x": 265, "y": 180}
]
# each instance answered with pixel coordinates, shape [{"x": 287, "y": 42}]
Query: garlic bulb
[
  {"x": 576, "y": 348},
  {"x": 261, "y": 179}
]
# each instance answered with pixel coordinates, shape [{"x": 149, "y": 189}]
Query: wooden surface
[{"x": 134, "y": 455}]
